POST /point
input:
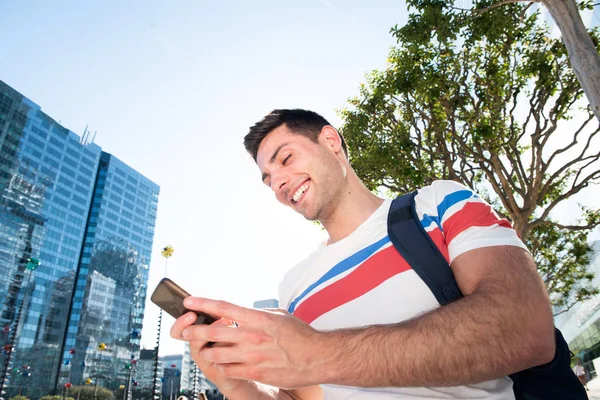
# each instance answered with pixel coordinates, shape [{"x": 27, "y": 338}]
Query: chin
[
  {"x": 310, "y": 218},
  {"x": 307, "y": 215},
  {"x": 314, "y": 216}
]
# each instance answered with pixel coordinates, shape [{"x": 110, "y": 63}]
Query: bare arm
[
  {"x": 257, "y": 391},
  {"x": 235, "y": 389},
  {"x": 503, "y": 325}
]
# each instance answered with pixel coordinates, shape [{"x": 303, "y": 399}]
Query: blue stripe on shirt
[
  {"x": 450, "y": 200},
  {"x": 342, "y": 267}
]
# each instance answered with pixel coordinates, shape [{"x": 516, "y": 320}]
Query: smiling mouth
[{"x": 300, "y": 192}]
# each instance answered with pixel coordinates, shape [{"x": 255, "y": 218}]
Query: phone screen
[{"x": 169, "y": 296}]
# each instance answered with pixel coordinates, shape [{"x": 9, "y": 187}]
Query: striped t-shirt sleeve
[{"x": 454, "y": 214}]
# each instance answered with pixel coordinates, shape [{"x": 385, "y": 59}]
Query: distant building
[
  {"x": 269, "y": 303},
  {"x": 144, "y": 371},
  {"x": 581, "y": 324},
  {"x": 187, "y": 368},
  {"x": 191, "y": 376},
  {"x": 173, "y": 361},
  {"x": 172, "y": 375},
  {"x": 171, "y": 383}
]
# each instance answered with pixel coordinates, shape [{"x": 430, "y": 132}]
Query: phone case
[{"x": 169, "y": 296}]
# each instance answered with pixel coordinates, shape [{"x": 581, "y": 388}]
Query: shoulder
[
  {"x": 444, "y": 190},
  {"x": 465, "y": 219},
  {"x": 442, "y": 197}
]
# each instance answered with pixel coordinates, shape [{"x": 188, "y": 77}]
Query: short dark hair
[{"x": 299, "y": 121}]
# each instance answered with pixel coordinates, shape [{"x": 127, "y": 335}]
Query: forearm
[
  {"x": 473, "y": 340},
  {"x": 257, "y": 391}
]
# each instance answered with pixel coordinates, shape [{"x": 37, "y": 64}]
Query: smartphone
[{"x": 169, "y": 296}]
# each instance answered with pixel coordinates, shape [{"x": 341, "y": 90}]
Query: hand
[
  {"x": 270, "y": 347},
  {"x": 208, "y": 368}
]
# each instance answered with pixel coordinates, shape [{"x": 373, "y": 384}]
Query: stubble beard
[{"x": 324, "y": 202}]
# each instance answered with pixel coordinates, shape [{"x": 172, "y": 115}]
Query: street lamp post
[
  {"x": 166, "y": 252},
  {"x": 196, "y": 378},
  {"x": 128, "y": 393},
  {"x": 101, "y": 347}
]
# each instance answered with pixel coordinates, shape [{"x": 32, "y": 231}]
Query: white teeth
[{"x": 300, "y": 192}]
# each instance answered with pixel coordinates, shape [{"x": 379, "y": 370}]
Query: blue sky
[{"x": 171, "y": 89}]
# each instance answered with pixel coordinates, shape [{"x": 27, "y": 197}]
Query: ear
[{"x": 330, "y": 138}]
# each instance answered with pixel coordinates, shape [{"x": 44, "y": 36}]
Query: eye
[
  {"x": 266, "y": 180},
  {"x": 286, "y": 160}
]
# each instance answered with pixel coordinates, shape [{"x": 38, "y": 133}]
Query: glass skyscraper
[{"x": 89, "y": 220}]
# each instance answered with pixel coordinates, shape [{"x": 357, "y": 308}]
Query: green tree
[
  {"x": 19, "y": 397},
  {"x": 490, "y": 102},
  {"x": 581, "y": 49},
  {"x": 56, "y": 397},
  {"x": 90, "y": 392}
]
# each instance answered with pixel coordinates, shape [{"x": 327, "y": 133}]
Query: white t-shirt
[{"x": 363, "y": 280}]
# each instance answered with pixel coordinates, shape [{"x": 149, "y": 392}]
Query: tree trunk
[
  {"x": 583, "y": 55},
  {"x": 521, "y": 227}
]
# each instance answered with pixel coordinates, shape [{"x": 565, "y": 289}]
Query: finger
[
  {"x": 239, "y": 371},
  {"x": 196, "y": 346},
  {"x": 222, "y": 309},
  {"x": 182, "y": 323},
  {"x": 224, "y": 334},
  {"x": 231, "y": 354},
  {"x": 185, "y": 335}
]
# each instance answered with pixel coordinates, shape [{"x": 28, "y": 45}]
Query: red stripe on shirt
[
  {"x": 440, "y": 241},
  {"x": 371, "y": 273},
  {"x": 472, "y": 214}
]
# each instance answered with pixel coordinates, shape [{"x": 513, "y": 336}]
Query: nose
[{"x": 279, "y": 182}]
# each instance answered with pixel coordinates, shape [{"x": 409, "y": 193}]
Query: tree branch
[
  {"x": 504, "y": 2},
  {"x": 575, "y": 160},
  {"x": 573, "y": 142},
  {"x": 574, "y": 189},
  {"x": 539, "y": 222}
]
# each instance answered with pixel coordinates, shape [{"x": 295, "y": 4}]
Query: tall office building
[
  {"x": 89, "y": 220},
  {"x": 580, "y": 325}
]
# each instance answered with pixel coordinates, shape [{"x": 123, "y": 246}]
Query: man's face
[{"x": 306, "y": 176}]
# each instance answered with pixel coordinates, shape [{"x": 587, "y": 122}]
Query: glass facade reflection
[
  {"x": 111, "y": 285},
  {"x": 580, "y": 325},
  {"x": 89, "y": 219}
]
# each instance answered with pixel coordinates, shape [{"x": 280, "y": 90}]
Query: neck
[{"x": 355, "y": 206}]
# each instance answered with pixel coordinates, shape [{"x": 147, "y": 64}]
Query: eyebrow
[{"x": 273, "y": 157}]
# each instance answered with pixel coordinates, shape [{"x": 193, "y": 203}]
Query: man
[
  {"x": 362, "y": 324},
  {"x": 580, "y": 372}
]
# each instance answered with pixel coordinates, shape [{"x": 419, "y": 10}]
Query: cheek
[{"x": 281, "y": 197}]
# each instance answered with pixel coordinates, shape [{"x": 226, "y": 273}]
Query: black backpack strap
[
  {"x": 555, "y": 380},
  {"x": 414, "y": 244}
]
